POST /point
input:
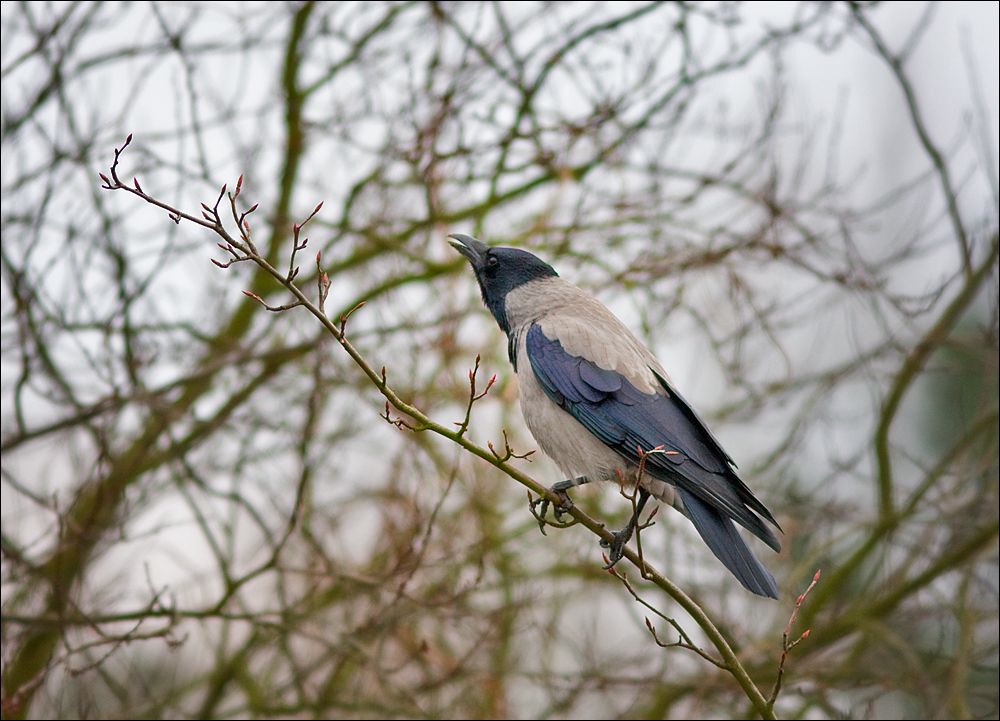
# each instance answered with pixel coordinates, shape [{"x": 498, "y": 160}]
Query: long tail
[{"x": 728, "y": 546}]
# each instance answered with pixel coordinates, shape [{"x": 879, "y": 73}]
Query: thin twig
[
  {"x": 786, "y": 646},
  {"x": 463, "y": 426},
  {"x": 685, "y": 640}
]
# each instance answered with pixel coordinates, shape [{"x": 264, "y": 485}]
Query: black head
[{"x": 499, "y": 271}]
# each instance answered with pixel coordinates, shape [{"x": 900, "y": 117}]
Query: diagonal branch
[{"x": 245, "y": 249}]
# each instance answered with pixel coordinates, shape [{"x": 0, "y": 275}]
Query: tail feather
[{"x": 728, "y": 546}]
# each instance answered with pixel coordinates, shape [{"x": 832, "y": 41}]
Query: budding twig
[
  {"x": 683, "y": 641},
  {"x": 273, "y": 309},
  {"x": 508, "y": 452},
  {"x": 463, "y": 426},
  {"x": 400, "y": 423},
  {"x": 643, "y": 455},
  {"x": 296, "y": 246},
  {"x": 345, "y": 316},
  {"x": 786, "y": 646},
  {"x": 323, "y": 283}
]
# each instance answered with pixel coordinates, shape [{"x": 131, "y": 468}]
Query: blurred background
[{"x": 203, "y": 513}]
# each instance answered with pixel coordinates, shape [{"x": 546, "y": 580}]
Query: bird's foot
[
  {"x": 565, "y": 502},
  {"x": 616, "y": 548},
  {"x": 621, "y": 538},
  {"x": 563, "y": 506}
]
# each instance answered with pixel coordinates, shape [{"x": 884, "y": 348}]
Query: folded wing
[{"x": 626, "y": 419}]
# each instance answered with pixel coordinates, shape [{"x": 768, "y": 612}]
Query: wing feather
[{"x": 626, "y": 419}]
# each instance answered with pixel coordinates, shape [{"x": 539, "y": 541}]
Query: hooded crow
[{"x": 593, "y": 395}]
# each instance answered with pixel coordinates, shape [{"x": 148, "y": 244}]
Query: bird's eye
[{"x": 492, "y": 261}]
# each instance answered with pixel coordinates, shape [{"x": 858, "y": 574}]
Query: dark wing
[
  {"x": 626, "y": 419},
  {"x": 709, "y": 439}
]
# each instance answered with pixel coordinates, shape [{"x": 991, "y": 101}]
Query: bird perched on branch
[{"x": 597, "y": 402}]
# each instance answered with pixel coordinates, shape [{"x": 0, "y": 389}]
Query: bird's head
[{"x": 499, "y": 271}]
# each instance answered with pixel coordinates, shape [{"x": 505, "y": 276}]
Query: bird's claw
[
  {"x": 616, "y": 548},
  {"x": 565, "y": 502},
  {"x": 563, "y": 506}
]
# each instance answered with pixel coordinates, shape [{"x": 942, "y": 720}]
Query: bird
[{"x": 597, "y": 402}]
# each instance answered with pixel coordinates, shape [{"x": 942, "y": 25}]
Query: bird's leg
[
  {"x": 617, "y": 547},
  {"x": 565, "y": 502},
  {"x": 560, "y": 488}
]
